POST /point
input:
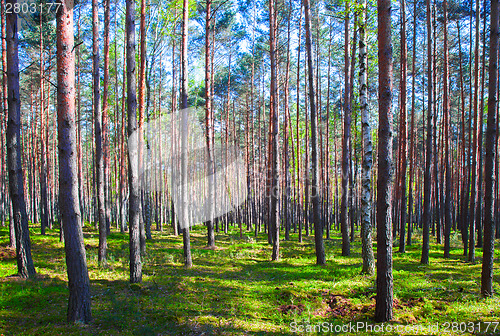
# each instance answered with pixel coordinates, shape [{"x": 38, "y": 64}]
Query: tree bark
[
  {"x": 366, "y": 193},
  {"x": 476, "y": 148},
  {"x": 209, "y": 127},
  {"x": 384, "y": 298},
  {"x": 105, "y": 120},
  {"x": 19, "y": 216},
  {"x": 78, "y": 278},
  {"x": 188, "y": 262},
  {"x": 133, "y": 159},
  {"x": 99, "y": 162},
  {"x": 447, "y": 122},
  {"x": 491, "y": 134},
  {"x": 274, "y": 224},
  {"x": 144, "y": 193},
  {"x": 427, "y": 216},
  {"x": 403, "y": 133},
  {"x": 344, "y": 214}
]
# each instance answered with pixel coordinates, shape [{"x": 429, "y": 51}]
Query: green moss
[{"x": 235, "y": 289}]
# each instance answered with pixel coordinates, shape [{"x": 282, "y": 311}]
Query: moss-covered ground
[{"x": 236, "y": 289}]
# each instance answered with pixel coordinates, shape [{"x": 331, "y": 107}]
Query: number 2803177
[{"x": 31, "y": 8}]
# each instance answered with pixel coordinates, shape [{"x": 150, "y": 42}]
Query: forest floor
[{"x": 237, "y": 290}]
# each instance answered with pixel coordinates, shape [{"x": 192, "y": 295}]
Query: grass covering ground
[{"x": 236, "y": 290}]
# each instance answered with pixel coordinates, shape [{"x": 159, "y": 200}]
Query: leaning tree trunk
[
  {"x": 384, "y": 299},
  {"x": 133, "y": 143},
  {"x": 19, "y": 216},
  {"x": 318, "y": 229},
  {"x": 366, "y": 194},
  {"x": 489, "y": 161},
  {"x": 78, "y": 277}
]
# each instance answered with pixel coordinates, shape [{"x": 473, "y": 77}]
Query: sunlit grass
[{"x": 235, "y": 289}]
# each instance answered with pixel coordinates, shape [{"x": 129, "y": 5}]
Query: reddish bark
[{"x": 78, "y": 278}]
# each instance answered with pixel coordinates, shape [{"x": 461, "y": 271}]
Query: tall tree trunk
[
  {"x": 427, "y": 216},
  {"x": 4, "y": 200},
  {"x": 475, "y": 148},
  {"x": 43, "y": 157},
  {"x": 479, "y": 210},
  {"x": 133, "y": 143},
  {"x": 403, "y": 133},
  {"x": 105, "y": 119},
  {"x": 142, "y": 108},
  {"x": 274, "y": 224},
  {"x": 188, "y": 262},
  {"x": 286, "y": 134},
  {"x": 366, "y": 194},
  {"x": 489, "y": 161},
  {"x": 99, "y": 162},
  {"x": 209, "y": 128},
  {"x": 78, "y": 277},
  {"x": 412, "y": 127},
  {"x": 447, "y": 122},
  {"x": 123, "y": 193},
  {"x": 344, "y": 214},
  {"x": 464, "y": 200},
  {"x": 315, "y": 198},
  {"x": 19, "y": 216},
  {"x": 299, "y": 190},
  {"x": 384, "y": 299}
]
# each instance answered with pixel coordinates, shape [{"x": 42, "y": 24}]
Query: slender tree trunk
[
  {"x": 479, "y": 210},
  {"x": 403, "y": 133},
  {"x": 476, "y": 148},
  {"x": 143, "y": 193},
  {"x": 173, "y": 111},
  {"x": 133, "y": 143},
  {"x": 464, "y": 201},
  {"x": 4, "y": 199},
  {"x": 274, "y": 224},
  {"x": 286, "y": 133},
  {"x": 315, "y": 197},
  {"x": 491, "y": 133},
  {"x": 105, "y": 120},
  {"x": 427, "y": 216},
  {"x": 123, "y": 193},
  {"x": 19, "y": 216},
  {"x": 366, "y": 194},
  {"x": 447, "y": 122},
  {"x": 99, "y": 162},
  {"x": 78, "y": 278},
  {"x": 209, "y": 131},
  {"x": 344, "y": 214},
  {"x": 384, "y": 298},
  {"x": 188, "y": 262},
  {"x": 412, "y": 128},
  {"x": 43, "y": 157}
]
